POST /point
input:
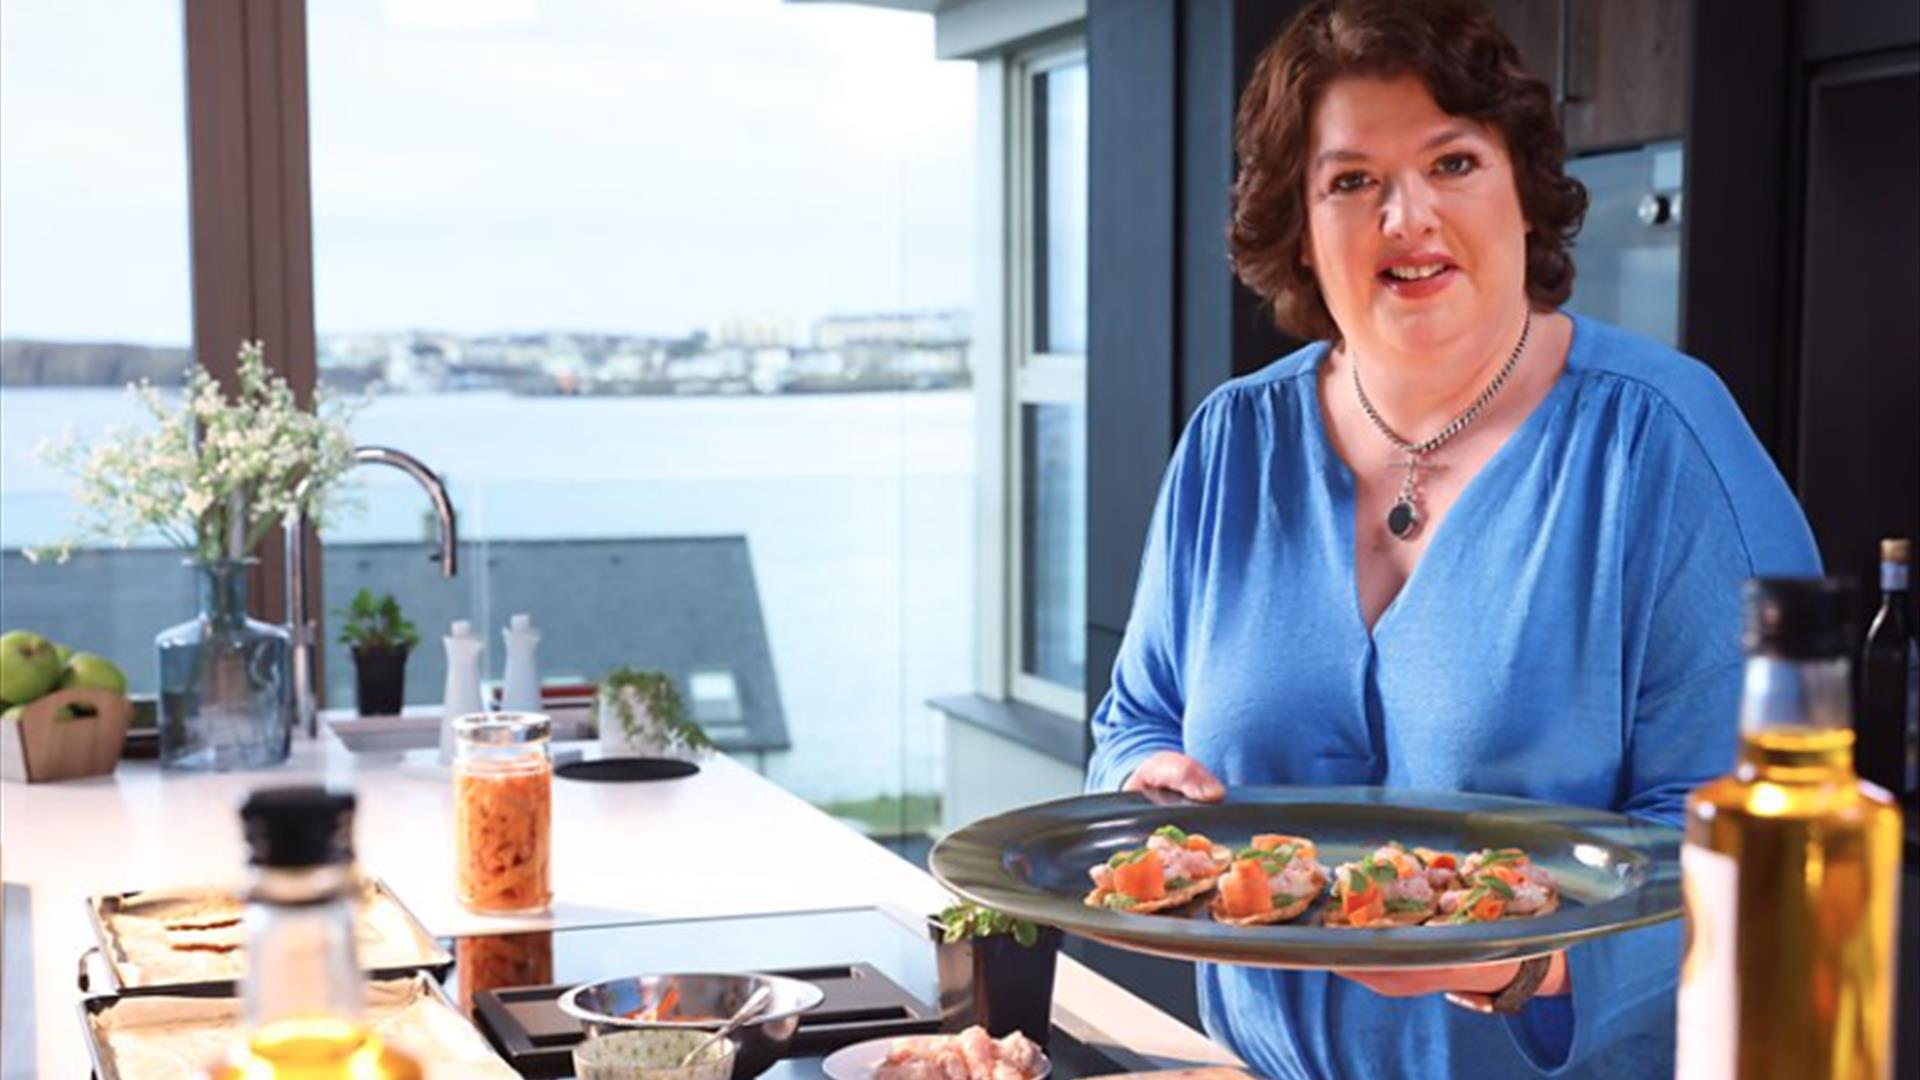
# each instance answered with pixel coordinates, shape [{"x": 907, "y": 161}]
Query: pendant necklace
[{"x": 1405, "y": 518}]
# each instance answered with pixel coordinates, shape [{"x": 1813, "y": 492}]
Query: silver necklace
[{"x": 1405, "y": 518}]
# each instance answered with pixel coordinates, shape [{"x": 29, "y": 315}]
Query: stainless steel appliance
[{"x": 1628, "y": 252}]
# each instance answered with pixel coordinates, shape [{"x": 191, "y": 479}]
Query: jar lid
[
  {"x": 1799, "y": 618},
  {"x": 503, "y": 728},
  {"x": 299, "y": 826},
  {"x": 1895, "y": 549}
]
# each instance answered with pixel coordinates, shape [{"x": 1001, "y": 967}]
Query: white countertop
[{"x": 621, "y": 852}]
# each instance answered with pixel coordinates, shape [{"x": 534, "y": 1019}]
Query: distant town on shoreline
[{"x": 842, "y": 354}]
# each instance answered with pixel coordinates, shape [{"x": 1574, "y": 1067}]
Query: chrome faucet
[{"x": 299, "y": 602}]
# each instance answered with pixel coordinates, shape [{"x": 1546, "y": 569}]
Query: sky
[{"x": 644, "y": 166}]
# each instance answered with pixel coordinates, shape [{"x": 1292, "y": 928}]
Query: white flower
[{"x": 206, "y": 458}]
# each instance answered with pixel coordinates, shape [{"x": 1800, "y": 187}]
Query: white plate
[{"x": 858, "y": 1062}]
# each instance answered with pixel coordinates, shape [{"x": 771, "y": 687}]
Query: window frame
[
  {"x": 252, "y": 222},
  {"x": 250, "y": 217},
  {"x": 1033, "y": 377}
]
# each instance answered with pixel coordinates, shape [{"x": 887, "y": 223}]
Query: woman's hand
[
  {"x": 1171, "y": 773},
  {"x": 1471, "y": 979}
]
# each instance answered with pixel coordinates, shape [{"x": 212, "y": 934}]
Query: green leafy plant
[
  {"x": 376, "y": 623},
  {"x": 655, "y": 690},
  {"x": 962, "y": 920}
]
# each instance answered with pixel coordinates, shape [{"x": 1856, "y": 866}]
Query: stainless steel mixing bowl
[{"x": 702, "y": 1000}]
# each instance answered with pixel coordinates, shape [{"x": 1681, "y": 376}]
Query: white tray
[{"x": 418, "y": 726}]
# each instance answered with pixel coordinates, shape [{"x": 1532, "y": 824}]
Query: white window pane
[
  {"x": 1060, "y": 211},
  {"x": 1054, "y": 543},
  {"x": 676, "y": 295},
  {"x": 94, "y": 293}
]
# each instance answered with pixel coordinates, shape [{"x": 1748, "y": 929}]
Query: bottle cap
[
  {"x": 1799, "y": 618},
  {"x": 1895, "y": 549},
  {"x": 462, "y": 628},
  {"x": 305, "y": 825},
  {"x": 520, "y": 622}
]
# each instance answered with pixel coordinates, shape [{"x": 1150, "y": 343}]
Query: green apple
[
  {"x": 13, "y": 713},
  {"x": 95, "y": 672},
  {"x": 28, "y": 666},
  {"x": 64, "y": 652}
]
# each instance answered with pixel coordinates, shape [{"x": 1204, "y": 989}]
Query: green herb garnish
[{"x": 962, "y": 920}]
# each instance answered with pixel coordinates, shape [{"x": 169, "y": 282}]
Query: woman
[{"x": 1466, "y": 542}]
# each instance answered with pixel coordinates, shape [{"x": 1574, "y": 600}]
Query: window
[
  {"x": 94, "y": 271},
  {"x": 1047, "y": 140},
  {"x": 678, "y": 300}
]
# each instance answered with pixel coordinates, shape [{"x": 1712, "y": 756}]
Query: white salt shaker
[
  {"x": 464, "y": 649},
  {"x": 522, "y": 691}
]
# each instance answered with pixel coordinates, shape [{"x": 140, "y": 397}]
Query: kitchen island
[{"x": 724, "y": 842}]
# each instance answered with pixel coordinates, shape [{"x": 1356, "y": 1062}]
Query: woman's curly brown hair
[{"x": 1471, "y": 69}]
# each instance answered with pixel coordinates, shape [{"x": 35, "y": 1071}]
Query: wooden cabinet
[{"x": 1618, "y": 67}]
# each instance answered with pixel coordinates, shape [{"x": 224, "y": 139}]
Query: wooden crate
[{"x": 39, "y": 745}]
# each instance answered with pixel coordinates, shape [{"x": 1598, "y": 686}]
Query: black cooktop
[{"x": 880, "y": 974}]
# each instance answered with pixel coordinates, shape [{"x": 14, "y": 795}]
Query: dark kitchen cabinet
[
  {"x": 1859, "y": 357},
  {"x": 1618, "y": 67}
]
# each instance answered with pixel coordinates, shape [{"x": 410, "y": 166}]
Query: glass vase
[{"x": 225, "y": 695}]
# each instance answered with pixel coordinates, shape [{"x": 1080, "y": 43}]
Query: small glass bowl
[{"x": 651, "y": 1054}]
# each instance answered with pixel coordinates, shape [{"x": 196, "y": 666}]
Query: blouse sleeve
[
  {"x": 1710, "y": 521},
  {"x": 1141, "y": 713}
]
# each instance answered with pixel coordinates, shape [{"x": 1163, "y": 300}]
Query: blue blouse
[{"x": 1571, "y": 634}]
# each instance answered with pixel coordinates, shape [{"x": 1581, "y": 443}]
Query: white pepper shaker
[{"x": 522, "y": 691}]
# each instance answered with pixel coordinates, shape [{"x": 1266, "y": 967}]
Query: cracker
[
  {"x": 1336, "y": 917},
  {"x": 1175, "y": 898},
  {"x": 1282, "y": 913}
]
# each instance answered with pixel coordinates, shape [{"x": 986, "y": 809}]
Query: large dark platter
[{"x": 1615, "y": 873}]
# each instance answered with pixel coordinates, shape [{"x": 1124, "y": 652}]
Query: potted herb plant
[
  {"x": 380, "y": 637},
  {"x": 641, "y": 714},
  {"x": 996, "y": 970}
]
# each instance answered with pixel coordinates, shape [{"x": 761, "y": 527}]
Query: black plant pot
[
  {"x": 998, "y": 983},
  {"x": 380, "y": 680}
]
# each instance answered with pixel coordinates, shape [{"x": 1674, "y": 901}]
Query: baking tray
[
  {"x": 1615, "y": 873},
  {"x": 527, "y": 1027},
  {"x": 210, "y": 1016},
  {"x": 400, "y": 944}
]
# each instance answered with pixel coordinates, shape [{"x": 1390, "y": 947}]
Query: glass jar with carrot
[{"x": 503, "y": 813}]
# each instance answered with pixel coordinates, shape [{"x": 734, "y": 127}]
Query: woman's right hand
[{"x": 1172, "y": 773}]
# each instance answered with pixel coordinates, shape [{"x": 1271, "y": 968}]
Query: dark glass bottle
[{"x": 1888, "y": 723}]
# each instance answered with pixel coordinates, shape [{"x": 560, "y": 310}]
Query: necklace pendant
[{"x": 1403, "y": 521}]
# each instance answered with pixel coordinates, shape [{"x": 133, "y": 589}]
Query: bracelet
[{"x": 1515, "y": 995}]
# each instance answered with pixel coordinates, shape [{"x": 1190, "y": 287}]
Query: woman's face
[{"x": 1414, "y": 223}]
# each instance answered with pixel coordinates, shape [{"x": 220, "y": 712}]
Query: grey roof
[
  {"x": 682, "y": 605},
  {"x": 679, "y": 605}
]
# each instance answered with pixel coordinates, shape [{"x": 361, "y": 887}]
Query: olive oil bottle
[
  {"x": 304, "y": 993},
  {"x": 1791, "y": 867}
]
